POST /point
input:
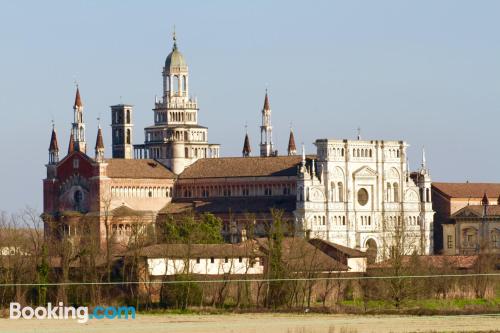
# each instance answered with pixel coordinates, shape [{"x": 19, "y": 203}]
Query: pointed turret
[
  {"x": 266, "y": 130},
  {"x": 246, "y": 146},
  {"x": 484, "y": 200},
  {"x": 266, "y": 102},
  {"x": 292, "y": 149},
  {"x": 78, "y": 126},
  {"x": 99, "y": 146},
  {"x": 53, "y": 147},
  {"x": 71, "y": 145},
  {"x": 78, "y": 99}
]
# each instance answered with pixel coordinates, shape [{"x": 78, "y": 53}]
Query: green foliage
[
  {"x": 182, "y": 295},
  {"x": 190, "y": 230}
]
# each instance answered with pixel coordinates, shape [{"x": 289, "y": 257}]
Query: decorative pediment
[
  {"x": 467, "y": 212},
  {"x": 365, "y": 172}
]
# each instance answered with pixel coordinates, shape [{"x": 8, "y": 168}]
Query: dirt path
[{"x": 259, "y": 323}]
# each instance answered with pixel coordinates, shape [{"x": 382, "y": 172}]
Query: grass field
[{"x": 261, "y": 323}]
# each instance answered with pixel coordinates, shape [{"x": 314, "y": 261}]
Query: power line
[{"x": 253, "y": 280}]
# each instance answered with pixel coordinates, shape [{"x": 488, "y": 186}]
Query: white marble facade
[{"x": 361, "y": 194}]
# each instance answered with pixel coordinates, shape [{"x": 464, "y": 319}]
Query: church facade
[{"x": 355, "y": 193}]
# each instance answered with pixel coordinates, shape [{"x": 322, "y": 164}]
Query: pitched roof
[
  {"x": 78, "y": 100},
  {"x": 244, "y": 249},
  {"x": 291, "y": 143},
  {"x": 242, "y": 167},
  {"x": 336, "y": 250},
  {"x": 468, "y": 190},
  {"x": 234, "y": 205},
  {"x": 99, "y": 144},
  {"x": 53, "y": 141},
  {"x": 131, "y": 168},
  {"x": 300, "y": 256},
  {"x": 266, "y": 102},
  {"x": 71, "y": 145},
  {"x": 246, "y": 146},
  {"x": 127, "y": 211}
]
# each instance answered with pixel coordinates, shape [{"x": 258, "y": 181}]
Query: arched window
[
  {"x": 128, "y": 116},
  {"x": 340, "y": 188},
  {"x": 427, "y": 195},
  {"x": 388, "y": 192},
  {"x": 186, "y": 152},
  {"x": 128, "y": 136},
  {"x": 396, "y": 192}
]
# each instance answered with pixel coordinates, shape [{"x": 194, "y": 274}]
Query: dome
[{"x": 175, "y": 60}]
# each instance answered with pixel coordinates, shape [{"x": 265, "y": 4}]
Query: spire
[
  {"x": 246, "y": 145},
  {"x": 53, "y": 147},
  {"x": 53, "y": 140},
  {"x": 484, "y": 200},
  {"x": 78, "y": 99},
  {"x": 266, "y": 131},
  {"x": 424, "y": 163},
  {"x": 292, "y": 149},
  {"x": 99, "y": 143},
  {"x": 71, "y": 146},
  {"x": 99, "y": 146},
  {"x": 266, "y": 102}
]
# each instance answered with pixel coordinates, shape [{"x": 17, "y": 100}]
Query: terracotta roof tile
[
  {"x": 130, "y": 168},
  {"x": 242, "y": 167},
  {"x": 247, "y": 248},
  {"x": 468, "y": 190},
  {"x": 234, "y": 205}
]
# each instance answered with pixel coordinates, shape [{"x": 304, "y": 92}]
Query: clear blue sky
[{"x": 427, "y": 72}]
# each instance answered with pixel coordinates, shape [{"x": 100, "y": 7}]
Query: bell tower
[
  {"x": 78, "y": 126},
  {"x": 121, "y": 128},
  {"x": 266, "y": 130}
]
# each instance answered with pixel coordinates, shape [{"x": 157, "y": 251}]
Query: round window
[{"x": 362, "y": 197}]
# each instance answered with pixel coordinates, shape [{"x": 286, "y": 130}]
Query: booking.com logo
[{"x": 80, "y": 313}]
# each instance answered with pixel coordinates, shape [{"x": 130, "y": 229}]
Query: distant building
[
  {"x": 353, "y": 193},
  {"x": 456, "y": 203}
]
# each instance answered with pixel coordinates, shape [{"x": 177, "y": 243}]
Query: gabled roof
[
  {"x": 335, "y": 250},
  {"x": 300, "y": 256},
  {"x": 131, "y": 168},
  {"x": 242, "y": 167},
  {"x": 467, "y": 190}
]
